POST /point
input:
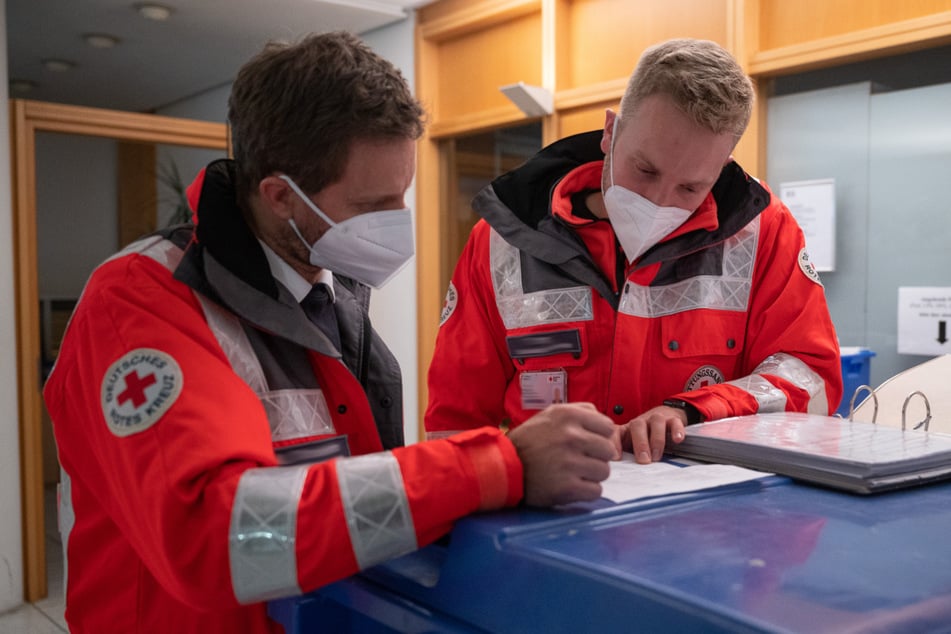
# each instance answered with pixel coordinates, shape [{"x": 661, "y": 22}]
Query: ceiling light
[
  {"x": 58, "y": 65},
  {"x": 100, "y": 40},
  {"x": 157, "y": 12},
  {"x": 21, "y": 86}
]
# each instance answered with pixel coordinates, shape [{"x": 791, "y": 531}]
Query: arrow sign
[{"x": 919, "y": 309}]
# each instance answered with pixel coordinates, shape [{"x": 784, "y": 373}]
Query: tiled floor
[{"x": 44, "y": 616}]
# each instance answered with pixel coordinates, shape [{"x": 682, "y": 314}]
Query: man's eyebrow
[
  {"x": 645, "y": 163},
  {"x": 639, "y": 158},
  {"x": 700, "y": 183}
]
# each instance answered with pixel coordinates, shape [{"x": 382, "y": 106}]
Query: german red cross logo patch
[{"x": 138, "y": 389}]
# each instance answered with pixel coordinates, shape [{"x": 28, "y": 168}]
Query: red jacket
[
  {"x": 177, "y": 416},
  {"x": 726, "y": 313}
]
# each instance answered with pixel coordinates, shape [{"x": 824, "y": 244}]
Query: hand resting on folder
[{"x": 646, "y": 435}]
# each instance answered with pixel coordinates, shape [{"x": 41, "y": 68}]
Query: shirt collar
[{"x": 291, "y": 279}]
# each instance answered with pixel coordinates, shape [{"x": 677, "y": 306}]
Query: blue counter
[{"x": 763, "y": 556}]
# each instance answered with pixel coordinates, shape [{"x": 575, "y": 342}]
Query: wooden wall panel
[
  {"x": 583, "y": 119},
  {"x": 138, "y": 190},
  {"x": 473, "y": 66},
  {"x": 785, "y": 23},
  {"x": 606, "y": 37}
]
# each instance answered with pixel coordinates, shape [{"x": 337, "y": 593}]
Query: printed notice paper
[
  {"x": 812, "y": 203},
  {"x": 632, "y": 481}
]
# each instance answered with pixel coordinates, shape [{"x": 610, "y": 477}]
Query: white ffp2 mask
[
  {"x": 638, "y": 223},
  {"x": 371, "y": 247}
]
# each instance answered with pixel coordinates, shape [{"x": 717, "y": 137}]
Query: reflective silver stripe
[
  {"x": 794, "y": 370},
  {"x": 519, "y": 309},
  {"x": 437, "y": 435},
  {"x": 261, "y": 542},
  {"x": 225, "y": 326},
  {"x": 297, "y": 414},
  {"x": 729, "y": 291},
  {"x": 291, "y": 414},
  {"x": 769, "y": 398},
  {"x": 65, "y": 518},
  {"x": 377, "y": 511},
  {"x": 234, "y": 343},
  {"x": 156, "y": 247}
]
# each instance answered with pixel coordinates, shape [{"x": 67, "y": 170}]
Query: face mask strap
[
  {"x": 617, "y": 118},
  {"x": 293, "y": 225},
  {"x": 307, "y": 201}
]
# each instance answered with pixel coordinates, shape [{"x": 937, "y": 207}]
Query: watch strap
[{"x": 693, "y": 414}]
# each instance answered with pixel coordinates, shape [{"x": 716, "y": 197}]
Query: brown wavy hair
[{"x": 296, "y": 109}]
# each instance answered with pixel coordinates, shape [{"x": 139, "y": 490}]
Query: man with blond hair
[{"x": 641, "y": 269}]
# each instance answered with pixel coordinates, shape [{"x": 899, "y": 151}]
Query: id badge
[{"x": 541, "y": 389}]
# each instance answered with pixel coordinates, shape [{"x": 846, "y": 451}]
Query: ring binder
[{"x": 854, "y": 456}]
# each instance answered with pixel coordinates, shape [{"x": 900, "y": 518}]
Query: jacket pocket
[{"x": 703, "y": 333}]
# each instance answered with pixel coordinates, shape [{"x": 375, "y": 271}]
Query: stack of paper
[
  {"x": 632, "y": 481},
  {"x": 856, "y": 456}
]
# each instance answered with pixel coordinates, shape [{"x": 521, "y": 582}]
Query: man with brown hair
[
  {"x": 638, "y": 268},
  {"x": 221, "y": 403}
]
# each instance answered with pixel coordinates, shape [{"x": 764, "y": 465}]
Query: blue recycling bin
[{"x": 855, "y": 372}]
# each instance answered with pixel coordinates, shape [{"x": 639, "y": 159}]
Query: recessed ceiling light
[
  {"x": 157, "y": 12},
  {"x": 21, "y": 86},
  {"x": 100, "y": 40},
  {"x": 58, "y": 65}
]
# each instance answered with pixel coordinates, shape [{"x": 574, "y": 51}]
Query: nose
[{"x": 661, "y": 194}]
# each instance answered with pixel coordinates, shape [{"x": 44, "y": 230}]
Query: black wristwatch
[{"x": 693, "y": 414}]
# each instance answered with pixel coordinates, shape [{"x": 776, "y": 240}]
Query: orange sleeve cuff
[
  {"x": 497, "y": 468},
  {"x": 720, "y": 401}
]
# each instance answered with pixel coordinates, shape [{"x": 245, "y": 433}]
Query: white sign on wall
[
  {"x": 924, "y": 318},
  {"x": 812, "y": 203}
]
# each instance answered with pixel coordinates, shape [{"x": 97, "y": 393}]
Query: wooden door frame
[{"x": 26, "y": 119}]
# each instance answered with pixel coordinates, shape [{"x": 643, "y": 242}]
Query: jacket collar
[
  {"x": 518, "y": 205},
  {"x": 222, "y": 229},
  {"x": 225, "y": 262}
]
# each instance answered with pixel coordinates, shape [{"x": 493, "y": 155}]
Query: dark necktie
[{"x": 319, "y": 307}]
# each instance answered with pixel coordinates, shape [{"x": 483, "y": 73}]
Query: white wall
[
  {"x": 76, "y": 210},
  {"x": 392, "y": 309},
  {"x": 11, "y": 541}
]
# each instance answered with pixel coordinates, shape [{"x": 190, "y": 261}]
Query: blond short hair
[{"x": 702, "y": 78}]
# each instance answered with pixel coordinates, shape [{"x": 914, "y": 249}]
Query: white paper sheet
[{"x": 631, "y": 481}]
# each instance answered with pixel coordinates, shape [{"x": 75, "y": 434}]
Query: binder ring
[
  {"x": 927, "y": 419},
  {"x": 858, "y": 390}
]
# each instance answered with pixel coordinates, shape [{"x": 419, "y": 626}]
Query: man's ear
[
  {"x": 277, "y": 196},
  {"x": 608, "y": 132}
]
